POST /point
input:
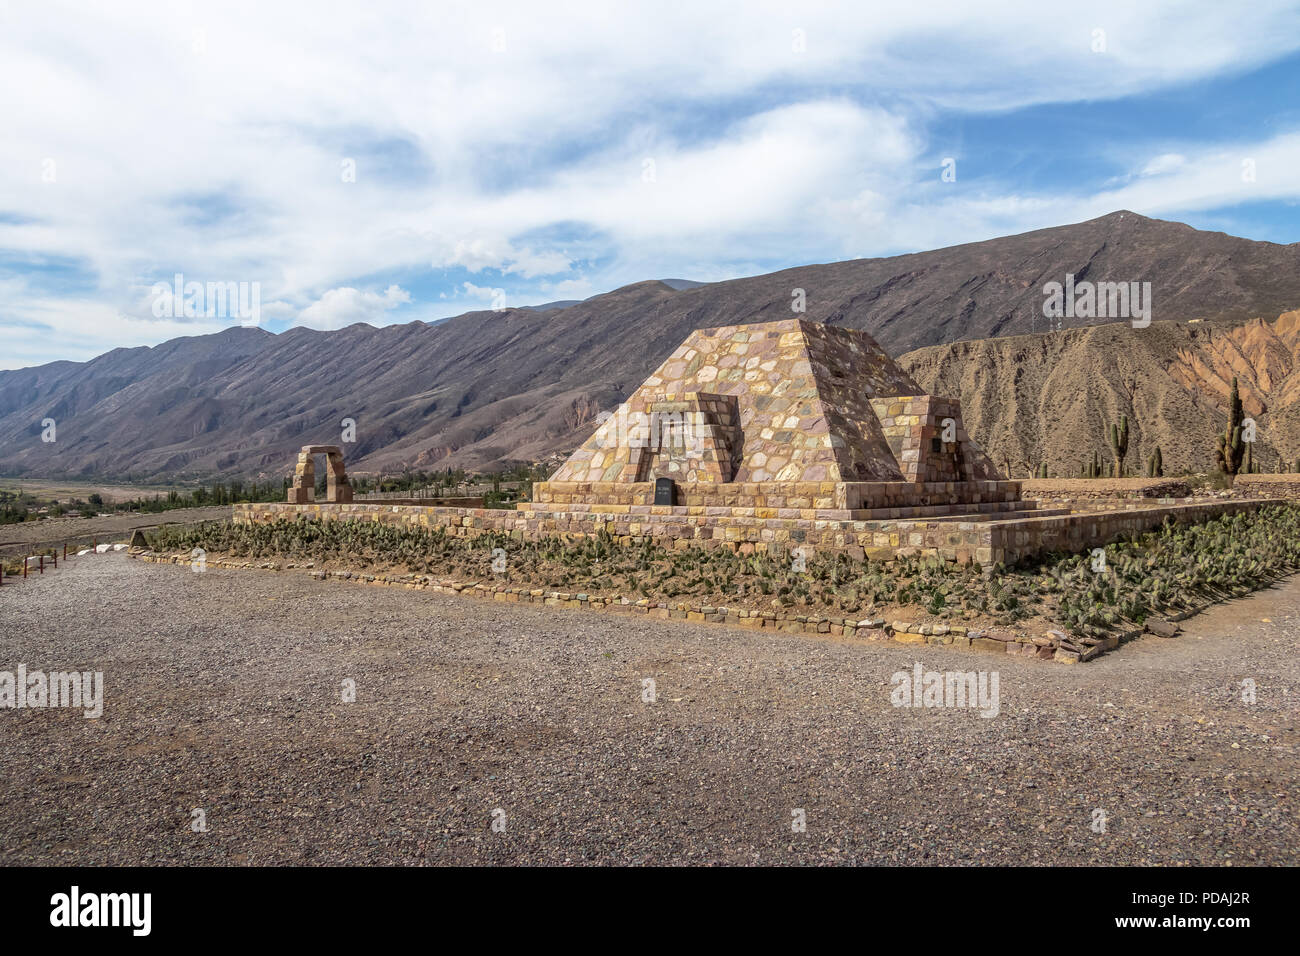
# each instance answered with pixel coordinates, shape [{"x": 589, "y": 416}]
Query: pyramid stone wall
[
  {"x": 915, "y": 427},
  {"x": 804, "y": 409},
  {"x": 788, "y": 411}
]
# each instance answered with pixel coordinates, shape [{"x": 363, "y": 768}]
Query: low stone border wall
[
  {"x": 463, "y": 502},
  {"x": 1012, "y": 541},
  {"x": 1267, "y": 486},
  {"x": 1127, "y": 504},
  {"x": 1080, "y": 489},
  {"x": 987, "y": 541},
  {"x": 1051, "y": 645}
]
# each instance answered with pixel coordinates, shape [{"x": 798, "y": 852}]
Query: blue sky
[{"x": 396, "y": 162}]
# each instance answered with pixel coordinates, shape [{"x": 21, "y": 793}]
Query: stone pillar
[
  {"x": 303, "y": 489},
  {"x": 337, "y": 487}
]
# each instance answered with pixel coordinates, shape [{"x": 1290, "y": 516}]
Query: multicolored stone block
[{"x": 789, "y": 403}]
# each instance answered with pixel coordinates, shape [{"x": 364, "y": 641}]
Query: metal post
[{"x": 42, "y": 567}]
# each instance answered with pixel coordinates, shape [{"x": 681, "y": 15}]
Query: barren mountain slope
[
  {"x": 485, "y": 388},
  {"x": 1051, "y": 398}
]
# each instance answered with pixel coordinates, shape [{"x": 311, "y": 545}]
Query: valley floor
[
  {"x": 223, "y": 692},
  {"x": 26, "y": 537}
]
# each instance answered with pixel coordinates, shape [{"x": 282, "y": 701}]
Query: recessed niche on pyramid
[{"x": 788, "y": 402}]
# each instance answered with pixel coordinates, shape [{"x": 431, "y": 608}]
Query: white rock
[
  {"x": 83, "y": 551},
  {"x": 102, "y": 549},
  {"x": 119, "y": 547}
]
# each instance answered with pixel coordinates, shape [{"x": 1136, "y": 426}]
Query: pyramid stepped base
[
  {"x": 961, "y": 511},
  {"x": 988, "y": 517},
  {"x": 846, "y": 499}
]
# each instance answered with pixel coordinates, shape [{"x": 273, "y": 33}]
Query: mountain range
[{"x": 486, "y": 388}]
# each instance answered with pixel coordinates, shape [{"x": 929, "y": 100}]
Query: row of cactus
[
  {"x": 1233, "y": 455},
  {"x": 1160, "y": 572},
  {"x": 1119, "y": 435},
  {"x": 1091, "y": 469}
]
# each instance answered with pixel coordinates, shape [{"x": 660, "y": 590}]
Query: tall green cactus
[
  {"x": 1091, "y": 469},
  {"x": 1231, "y": 448},
  {"x": 1156, "y": 464},
  {"x": 1119, "y": 443}
]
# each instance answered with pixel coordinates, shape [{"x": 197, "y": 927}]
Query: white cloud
[
  {"x": 481, "y": 293},
  {"x": 478, "y": 254},
  {"x": 1164, "y": 163},
  {"x": 75, "y": 328},
  {"x": 339, "y": 308},
  {"x": 208, "y": 139},
  {"x": 580, "y": 288}
]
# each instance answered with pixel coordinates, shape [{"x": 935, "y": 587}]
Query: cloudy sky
[{"x": 388, "y": 162}]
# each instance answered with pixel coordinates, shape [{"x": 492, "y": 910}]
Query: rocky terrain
[
  {"x": 233, "y": 705},
  {"x": 1050, "y": 398},
  {"x": 522, "y": 384}
]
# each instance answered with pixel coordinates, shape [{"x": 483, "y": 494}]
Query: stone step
[
  {"x": 960, "y": 512},
  {"x": 1019, "y": 515}
]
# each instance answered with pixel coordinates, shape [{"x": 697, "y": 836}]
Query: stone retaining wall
[
  {"x": 806, "y": 496},
  {"x": 1081, "y": 489},
  {"x": 1267, "y": 486},
  {"x": 986, "y": 541},
  {"x": 1012, "y": 541}
]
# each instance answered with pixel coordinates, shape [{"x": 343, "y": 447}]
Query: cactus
[
  {"x": 1042, "y": 470},
  {"x": 1095, "y": 471},
  {"x": 1229, "y": 451},
  {"x": 1156, "y": 464},
  {"x": 1248, "y": 462},
  {"x": 1119, "y": 444}
]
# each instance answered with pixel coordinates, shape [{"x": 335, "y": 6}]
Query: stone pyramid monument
[{"x": 779, "y": 403}]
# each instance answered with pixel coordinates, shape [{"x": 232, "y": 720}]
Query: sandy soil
[
  {"x": 67, "y": 490},
  {"x": 223, "y": 693}
]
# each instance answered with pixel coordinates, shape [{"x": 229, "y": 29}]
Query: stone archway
[{"x": 338, "y": 490}]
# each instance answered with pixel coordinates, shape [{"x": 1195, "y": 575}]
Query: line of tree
[{"x": 17, "y": 506}]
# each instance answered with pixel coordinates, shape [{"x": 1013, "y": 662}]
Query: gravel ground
[
  {"x": 223, "y": 693},
  {"x": 20, "y": 538}
]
